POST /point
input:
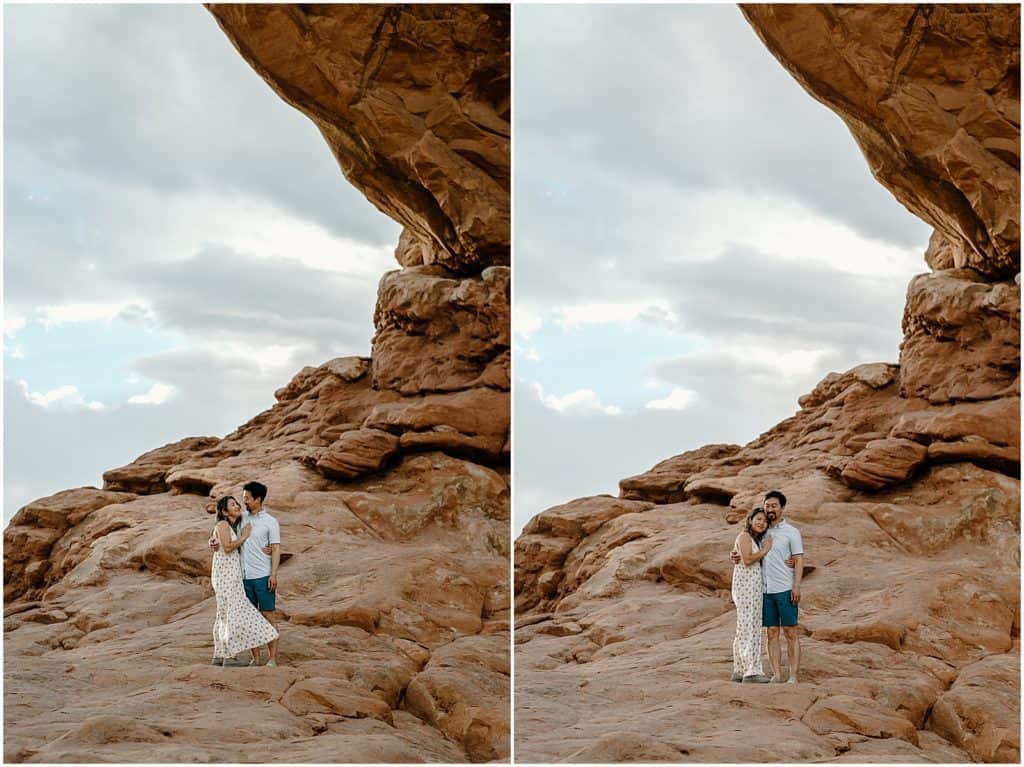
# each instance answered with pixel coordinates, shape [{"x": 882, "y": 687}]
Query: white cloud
[
  {"x": 13, "y": 324},
  {"x": 63, "y": 397},
  {"x": 158, "y": 394},
  {"x": 17, "y": 353},
  {"x": 208, "y": 126},
  {"x": 788, "y": 230},
  {"x": 60, "y": 394},
  {"x": 172, "y": 225},
  {"x": 525, "y": 321},
  {"x": 582, "y": 400},
  {"x": 613, "y": 312},
  {"x": 266, "y": 231},
  {"x": 677, "y": 399},
  {"x": 766, "y": 358},
  {"x": 268, "y": 359},
  {"x": 115, "y": 436},
  {"x": 60, "y": 314}
]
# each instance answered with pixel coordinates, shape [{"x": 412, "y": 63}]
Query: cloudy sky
[
  {"x": 697, "y": 243},
  {"x": 177, "y": 242}
]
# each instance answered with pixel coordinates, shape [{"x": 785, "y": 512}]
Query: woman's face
[
  {"x": 233, "y": 511},
  {"x": 759, "y": 523}
]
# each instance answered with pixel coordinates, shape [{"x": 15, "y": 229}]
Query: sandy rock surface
[{"x": 386, "y": 576}]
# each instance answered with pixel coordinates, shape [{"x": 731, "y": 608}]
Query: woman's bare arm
[
  {"x": 746, "y": 548},
  {"x": 224, "y": 536}
]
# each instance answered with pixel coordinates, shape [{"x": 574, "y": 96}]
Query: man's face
[
  {"x": 249, "y": 501},
  {"x": 772, "y": 508}
]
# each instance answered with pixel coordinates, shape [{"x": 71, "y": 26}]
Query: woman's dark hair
[
  {"x": 222, "y": 507},
  {"x": 748, "y": 527}
]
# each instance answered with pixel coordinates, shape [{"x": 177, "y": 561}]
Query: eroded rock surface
[
  {"x": 389, "y": 474},
  {"x": 108, "y": 602},
  {"x": 414, "y": 101},
  {"x": 931, "y": 93},
  {"x": 903, "y": 479},
  {"x": 623, "y": 606}
]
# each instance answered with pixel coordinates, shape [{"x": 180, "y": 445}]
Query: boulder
[{"x": 357, "y": 452}]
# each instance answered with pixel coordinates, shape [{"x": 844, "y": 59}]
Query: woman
[
  {"x": 238, "y": 626},
  {"x": 747, "y": 589}
]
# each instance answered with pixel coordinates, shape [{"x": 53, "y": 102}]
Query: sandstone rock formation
[
  {"x": 389, "y": 474},
  {"x": 904, "y": 479},
  {"x": 931, "y": 93},
  {"x": 415, "y": 104}
]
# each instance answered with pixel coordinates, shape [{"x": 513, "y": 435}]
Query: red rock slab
[
  {"x": 147, "y": 473},
  {"x": 413, "y": 102},
  {"x": 955, "y": 314},
  {"x": 447, "y": 420},
  {"x": 995, "y": 421},
  {"x": 35, "y": 529},
  {"x": 884, "y": 462},
  {"x": 861, "y": 715},
  {"x": 930, "y": 93},
  {"x": 334, "y": 696},
  {"x": 665, "y": 481},
  {"x": 437, "y": 332},
  {"x": 461, "y": 704},
  {"x": 357, "y": 452},
  {"x": 981, "y": 711}
]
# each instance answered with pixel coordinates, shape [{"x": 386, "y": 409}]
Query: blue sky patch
[
  {"x": 96, "y": 356},
  {"x": 610, "y": 359}
]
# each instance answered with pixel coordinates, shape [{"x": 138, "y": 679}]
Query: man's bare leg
[
  {"x": 775, "y": 653},
  {"x": 272, "y": 645},
  {"x": 792, "y": 649}
]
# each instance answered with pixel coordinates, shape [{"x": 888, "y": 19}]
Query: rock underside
[
  {"x": 389, "y": 474},
  {"x": 903, "y": 479}
]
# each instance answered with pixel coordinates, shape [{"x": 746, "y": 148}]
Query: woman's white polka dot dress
[
  {"x": 747, "y": 595},
  {"x": 238, "y": 626}
]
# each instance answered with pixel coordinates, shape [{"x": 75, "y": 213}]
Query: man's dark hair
[
  {"x": 778, "y": 495},
  {"x": 222, "y": 507},
  {"x": 259, "y": 491}
]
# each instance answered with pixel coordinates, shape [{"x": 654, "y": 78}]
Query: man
[
  {"x": 782, "y": 570},
  {"x": 782, "y": 587},
  {"x": 261, "y": 557}
]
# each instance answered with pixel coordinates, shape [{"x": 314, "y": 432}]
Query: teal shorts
[
  {"x": 259, "y": 593},
  {"x": 779, "y": 610}
]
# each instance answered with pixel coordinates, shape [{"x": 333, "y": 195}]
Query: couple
[
  {"x": 768, "y": 559},
  {"x": 246, "y": 547}
]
